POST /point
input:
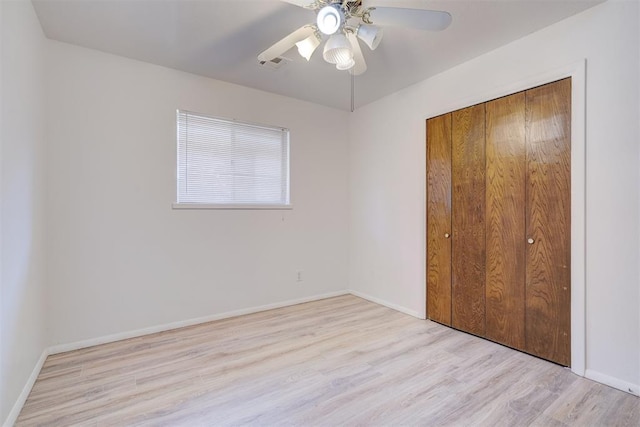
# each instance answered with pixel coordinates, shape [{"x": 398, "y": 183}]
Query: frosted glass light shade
[
  {"x": 337, "y": 50},
  {"x": 370, "y": 34},
  {"x": 329, "y": 20},
  {"x": 345, "y": 65},
  {"x": 307, "y": 46}
]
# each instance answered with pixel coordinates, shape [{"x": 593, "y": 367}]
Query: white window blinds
[{"x": 226, "y": 162}]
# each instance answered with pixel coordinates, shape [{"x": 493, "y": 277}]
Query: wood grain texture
[
  {"x": 548, "y": 279},
  {"x": 468, "y": 219},
  {"x": 505, "y": 202},
  {"x": 339, "y": 361},
  {"x": 439, "y": 219}
]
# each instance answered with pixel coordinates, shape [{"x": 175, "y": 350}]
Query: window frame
[{"x": 229, "y": 206}]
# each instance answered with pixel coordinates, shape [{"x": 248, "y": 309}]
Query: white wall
[
  {"x": 22, "y": 263},
  {"x": 119, "y": 258},
  {"x": 387, "y": 174}
]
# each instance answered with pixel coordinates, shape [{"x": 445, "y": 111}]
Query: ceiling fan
[{"x": 342, "y": 23}]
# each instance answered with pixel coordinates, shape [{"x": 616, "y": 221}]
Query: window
[{"x": 229, "y": 164}]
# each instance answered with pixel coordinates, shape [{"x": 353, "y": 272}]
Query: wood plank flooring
[{"x": 339, "y": 361}]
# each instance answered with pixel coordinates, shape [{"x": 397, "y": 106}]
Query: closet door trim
[{"x": 577, "y": 72}]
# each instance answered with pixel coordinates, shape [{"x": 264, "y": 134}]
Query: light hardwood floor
[{"x": 339, "y": 361}]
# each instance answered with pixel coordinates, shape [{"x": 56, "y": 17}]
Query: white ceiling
[{"x": 221, "y": 39}]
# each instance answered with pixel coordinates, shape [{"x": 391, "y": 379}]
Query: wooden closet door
[
  {"x": 439, "y": 219},
  {"x": 548, "y": 290},
  {"x": 468, "y": 217},
  {"x": 505, "y": 201}
]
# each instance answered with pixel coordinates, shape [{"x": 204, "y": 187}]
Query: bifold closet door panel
[
  {"x": 468, "y": 227},
  {"x": 505, "y": 201},
  {"x": 548, "y": 279},
  {"x": 439, "y": 219}
]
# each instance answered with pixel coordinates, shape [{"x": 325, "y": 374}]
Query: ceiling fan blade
[
  {"x": 358, "y": 57},
  {"x": 286, "y": 43},
  {"x": 420, "y": 19},
  {"x": 301, "y": 3}
]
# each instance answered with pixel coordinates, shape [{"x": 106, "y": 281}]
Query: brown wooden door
[
  {"x": 506, "y": 202},
  {"x": 468, "y": 213},
  {"x": 498, "y": 181},
  {"x": 548, "y": 290},
  {"x": 439, "y": 219}
]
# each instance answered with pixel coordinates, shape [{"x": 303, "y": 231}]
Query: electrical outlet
[{"x": 299, "y": 276}]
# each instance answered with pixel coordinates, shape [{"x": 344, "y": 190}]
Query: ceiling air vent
[{"x": 275, "y": 63}]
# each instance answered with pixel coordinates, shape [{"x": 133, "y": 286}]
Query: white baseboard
[
  {"x": 62, "y": 348},
  {"x": 613, "y": 382},
  {"x": 386, "y": 304},
  {"x": 17, "y": 407}
]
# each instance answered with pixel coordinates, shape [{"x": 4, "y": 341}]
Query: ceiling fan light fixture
[
  {"x": 307, "y": 46},
  {"x": 370, "y": 34},
  {"x": 337, "y": 50},
  {"x": 330, "y": 19},
  {"x": 347, "y": 24}
]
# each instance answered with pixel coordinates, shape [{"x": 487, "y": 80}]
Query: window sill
[{"x": 230, "y": 207}]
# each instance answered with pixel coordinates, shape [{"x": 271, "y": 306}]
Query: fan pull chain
[{"x": 352, "y": 92}]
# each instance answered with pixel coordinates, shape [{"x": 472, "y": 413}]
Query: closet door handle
[
  {"x": 447, "y": 235},
  {"x": 530, "y": 240}
]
